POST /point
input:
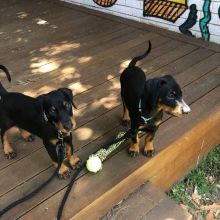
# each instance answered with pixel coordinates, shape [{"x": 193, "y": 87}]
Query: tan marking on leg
[
  {"x": 54, "y": 141},
  {"x": 72, "y": 158},
  {"x": 25, "y": 134},
  {"x": 63, "y": 169},
  {"x": 7, "y": 148},
  {"x": 134, "y": 147},
  {"x": 55, "y": 164},
  {"x": 73, "y": 120},
  {"x": 148, "y": 143},
  {"x": 126, "y": 116}
]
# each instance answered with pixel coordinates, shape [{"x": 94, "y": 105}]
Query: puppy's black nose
[{"x": 68, "y": 126}]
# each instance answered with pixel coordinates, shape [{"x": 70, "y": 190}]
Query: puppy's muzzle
[
  {"x": 184, "y": 107},
  {"x": 68, "y": 126}
]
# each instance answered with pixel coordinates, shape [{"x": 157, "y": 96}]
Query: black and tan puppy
[
  {"x": 43, "y": 116},
  {"x": 145, "y": 101}
]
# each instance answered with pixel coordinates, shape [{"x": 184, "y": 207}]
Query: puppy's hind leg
[
  {"x": 26, "y": 135},
  {"x": 125, "y": 117},
  {"x": 8, "y": 149},
  {"x": 134, "y": 148}
]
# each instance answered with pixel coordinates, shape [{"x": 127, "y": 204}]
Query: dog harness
[{"x": 145, "y": 119}]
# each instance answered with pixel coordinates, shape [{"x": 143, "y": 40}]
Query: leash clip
[
  {"x": 60, "y": 146},
  {"x": 45, "y": 117},
  {"x": 60, "y": 137}
]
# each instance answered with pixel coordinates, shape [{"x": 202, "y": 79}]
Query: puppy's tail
[
  {"x": 136, "y": 59},
  {"x": 2, "y": 89}
]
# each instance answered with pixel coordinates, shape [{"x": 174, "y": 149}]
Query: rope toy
[{"x": 94, "y": 163}]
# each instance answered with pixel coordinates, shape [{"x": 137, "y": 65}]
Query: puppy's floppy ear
[
  {"x": 69, "y": 94},
  {"x": 154, "y": 89},
  {"x": 167, "y": 78}
]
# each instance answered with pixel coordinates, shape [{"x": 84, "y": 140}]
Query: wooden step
[{"x": 146, "y": 202}]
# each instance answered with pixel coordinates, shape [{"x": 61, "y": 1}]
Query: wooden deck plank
[
  {"x": 84, "y": 118},
  {"x": 22, "y": 12},
  {"x": 84, "y": 114},
  {"x": 54, "y": 51},
  {"x": 20, "y": 32},
  {"x": 29, "y": 52},
  {"x": 86, "y": 190},
  {"x": 44, "y": 45},
  {"x": 212, "y": 77},
  {"x": 78, "y": 124},
  {"x": 100, "y": 61},
  {"x": 187, "y": 61},
  {"x": 78, "y": 61},
  {"x": 39, "y": 67},
  {"x": 100, "y": 92},
  {"x": 86, "y": 72}
]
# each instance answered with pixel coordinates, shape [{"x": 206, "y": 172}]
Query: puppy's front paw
[
  {"x": 149, "y": 153},
  {"x": 64, "y": 172},
  {"x": 65, "y": 175},
  {"x": 11, "y": 155},
  {"x": 133, "y": 153},
  {"x": 77, "y": 165},
  {"x": 75, "y": 162},
  {"x": 134, "y": 150}
]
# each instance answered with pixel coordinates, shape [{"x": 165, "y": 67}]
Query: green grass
[{"x": 199, "y": 178}]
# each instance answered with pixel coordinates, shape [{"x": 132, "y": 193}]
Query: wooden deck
[{"x": 48, "y": 44}]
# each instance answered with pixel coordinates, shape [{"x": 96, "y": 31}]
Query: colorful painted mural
[
  {"x": 190, "y": 21},
  {"x": 105, "y": 3},
  {"x": 197, "y": 18},
  {"x": 203, "y": 23},
  {"x": 169, "y": 10},
  {"x": 219, "y": 11}
]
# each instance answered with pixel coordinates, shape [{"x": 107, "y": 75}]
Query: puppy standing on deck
[
  {"x": 46, "y": 116},
  {"x": 144, "y": 102}
]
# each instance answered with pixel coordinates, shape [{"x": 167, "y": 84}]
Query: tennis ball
[{"x": 94, "y": 164}]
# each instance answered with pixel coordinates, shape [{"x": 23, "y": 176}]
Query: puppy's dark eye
[
  {"x": 67, "y": 105},
  {"x": 52, "y": 109},
  {"x": 172, "y": 94}
]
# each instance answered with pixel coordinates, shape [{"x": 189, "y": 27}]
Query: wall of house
[{"x": 197, "y": 18}]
